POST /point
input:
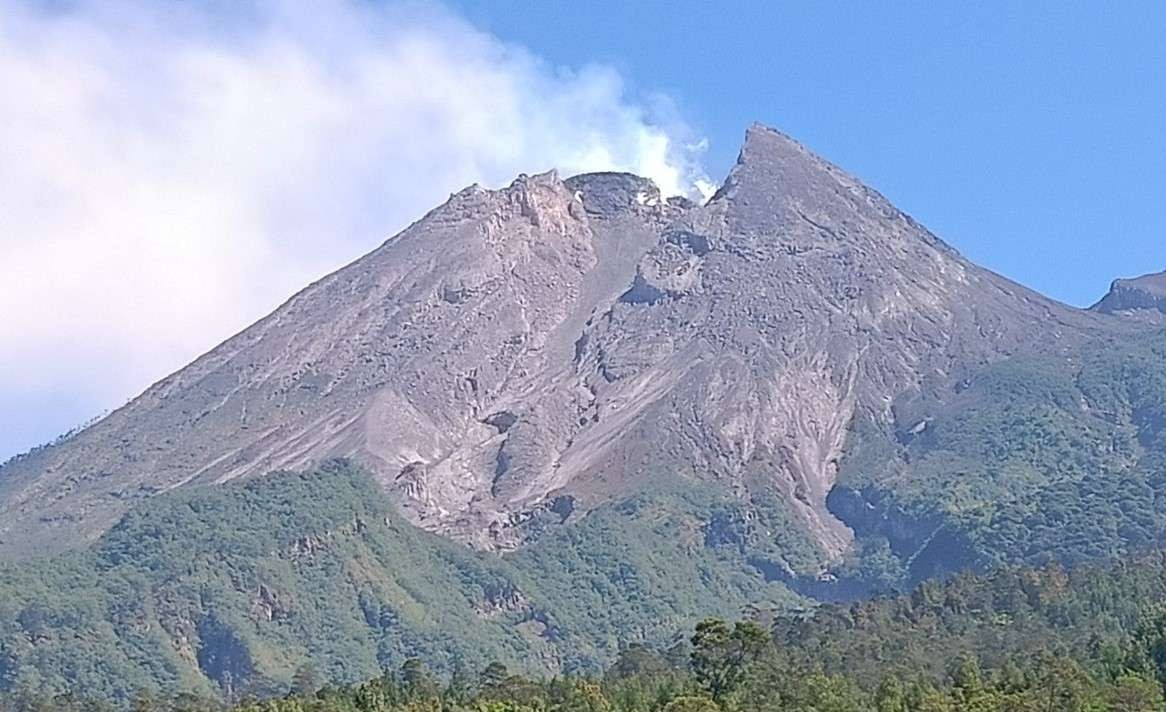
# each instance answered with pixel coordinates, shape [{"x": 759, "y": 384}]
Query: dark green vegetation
[
  {"x": 1031, "y": 460},
  {"x": 234, "y": 588},
  {"x": 1021, "y": 640}
]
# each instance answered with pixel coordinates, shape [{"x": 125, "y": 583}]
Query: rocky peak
[
  {"x": 768, "y": 159},
  {"x": 545, "y": 200},
  {"x": 1141, "y": 294},
  {"x": 763, "y": 143},
  {"x": 611, "y": 194},
  {"x": 778, "y": 186},
  {"x": 581, "y": 338}
]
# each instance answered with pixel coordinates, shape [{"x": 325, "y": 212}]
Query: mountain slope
[
  {"x": 232, "y": 589},
  {"x": 560, "y": 344},
  {"x": 1036, "y": 458},
  {"x": 1145, "y": 295}
]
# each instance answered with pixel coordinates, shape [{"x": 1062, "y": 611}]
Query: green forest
[
  {"x": 1031, "y": 460},
  {"x": 343, "y": 606},
  {"x": 1045, "y": 640},
  {"x": 229, "y": 590}
]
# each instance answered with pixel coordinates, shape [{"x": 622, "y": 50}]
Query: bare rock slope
[
  {"x": 570, "y": 341},
  {"x": 1145, "y": 294}
]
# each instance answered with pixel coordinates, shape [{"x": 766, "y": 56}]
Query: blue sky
[
  {"x": 172, "y": 172},
  {"x": 1030, "y": 135}
]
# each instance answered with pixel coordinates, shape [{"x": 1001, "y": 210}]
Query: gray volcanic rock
[
  {"x": 586, "y": 338},
  {"x": 1145, "y": 293}
]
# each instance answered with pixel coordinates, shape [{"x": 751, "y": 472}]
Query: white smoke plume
[{"x": 171, "y": 172}]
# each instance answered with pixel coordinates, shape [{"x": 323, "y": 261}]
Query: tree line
[{"x": 728, "y": 667}]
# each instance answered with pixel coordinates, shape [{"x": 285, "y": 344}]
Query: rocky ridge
[{"x": 1143, "y": 295}]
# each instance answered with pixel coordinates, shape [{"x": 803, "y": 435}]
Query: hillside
[
  {"x": 1087, "y": 639},
  {"x": 1034, "y": 459},
  {"x": 235, "y": 589},
  {"x": 232, "y": 589},
  {"x": 1145, "y": 295}
]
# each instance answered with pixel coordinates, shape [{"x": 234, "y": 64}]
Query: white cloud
[{"x": 170, "y": 174}]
